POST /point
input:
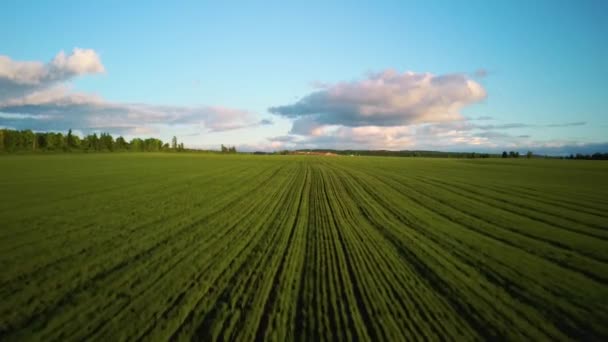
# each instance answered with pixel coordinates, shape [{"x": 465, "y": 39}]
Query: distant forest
[
  {"x": 388, "y": 153},
  {"x": 29, "y": 141},
  {"x": 439, "y": 154},
  {"x": 18, "y": 141}
]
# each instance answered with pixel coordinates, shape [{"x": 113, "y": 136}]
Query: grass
[{"x": 187, "y": 246}]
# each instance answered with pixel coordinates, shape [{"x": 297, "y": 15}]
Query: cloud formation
[
  {"x": 22, "y": 78},
  {"x": 388, "y": 98},
  {"x": 34, "y": 95},
  {"x": 386, "y": 110},
  {"x": 56, "y": 109},
  {"x": 464, "y": 135},
  {"x": 392, "y": 110}
]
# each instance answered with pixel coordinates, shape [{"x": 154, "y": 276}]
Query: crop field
[{"x": 129, "y": 246}]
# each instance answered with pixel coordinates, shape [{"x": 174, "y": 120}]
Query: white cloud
[
  {"x": 79, "y": 62},
  {"x": 445, "y": 136},
  {"x": 61, "y": 68},
  {"x": 392, "y": 110},
  {"x": 58, "y": 109},
  {"x": 388, "y": 98},
  {"x": 21, "y": 78},
  {"x": 386, "y": 110},
  {"x": 36, "y": 96},
  {"x": 306, "y": 126}
]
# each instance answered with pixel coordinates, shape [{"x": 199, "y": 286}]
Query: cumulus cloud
[
  {"x": 344, "y": 137},
  {"x": 306, "y": 126},
  {"x": 392, "y": 110},
  {"x": 20, "y": 78},
  {"x": 388, "y": 98},
  {"x": 34, "y": 95},
  {"x": 58, "y": 109},
  {"x": 446, "y": 136}
]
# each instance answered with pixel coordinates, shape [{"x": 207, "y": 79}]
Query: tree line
[
  {"x": 403, "y": 153},
  {"x": 27, "y": 140},
  {"x": 595, "y": 156},
  {"x": 513, "y": 154},
  {"x": 228, "y": 149}
]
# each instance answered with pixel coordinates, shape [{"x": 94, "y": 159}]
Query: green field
[{"x": 190, "y": 246}]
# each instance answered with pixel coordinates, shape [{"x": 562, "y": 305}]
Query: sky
[{"x": 400, "y": 75}]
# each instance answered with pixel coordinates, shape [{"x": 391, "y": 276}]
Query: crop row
[{"x": 309, "y": 248}]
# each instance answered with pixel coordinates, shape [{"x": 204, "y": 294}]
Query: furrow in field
[
  {"x": 428, "y": 304},
  {"x": 210, "y": 243},
  {"x": 123, "y": 196},
  {"x": 317, "y": 313},
  {"x": 570, "y": 252},
  {"x": 320, "y": 319},
  {"x": 359, "y": 241},
  {"x": 452, "y": 213},
  {"x": 344, "y": 280},
  {"x": 573, "y": 237},
  {"x": 279, "y": 309},
  {"x": 144, "y": 311},
  {"x": 356, "y": 245},
  {"x": 574, "y": 327},
  {"x": 543, "y": 228},
  {"x": 215, "y": 247},
  {"x": 554, "y": 202},
  {"x": 529, "y": 210},
  {"x": 250, "y": 286},
  {"x": 203, "y": 275},
  {"x": 433, "y": 263},
  {"x": 209, "y": 304},
  {"x": 504, "y": 227},
  {"x": 591, "y": 197},
  {"x": 96, "y": 181},
  {"x": 92, "y": 238},
  {"x": 117, "y": 241},
  {"x": 308, "y": 273},
  {"x": 126, "y": 256},
  {"x": 426, "y": 258}
]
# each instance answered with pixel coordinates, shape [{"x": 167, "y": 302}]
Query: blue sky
[{"x": 395, "y": 75}]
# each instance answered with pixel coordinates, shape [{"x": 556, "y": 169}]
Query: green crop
[{"x": 239, "y": 247}]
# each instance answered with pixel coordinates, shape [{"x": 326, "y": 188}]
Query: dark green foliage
[
  {"x": 13, "y": 141},
  {"x": 228, "y": 149},
  {"x": 513, "y": 154},
  {"x": 27, "y": 141},
  {"x": 71, "y": 143},
  {"x": 595, "y": 156},
  {"x": 121, "y": 144}
]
